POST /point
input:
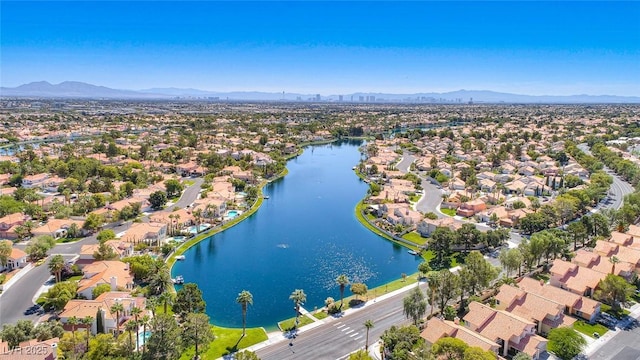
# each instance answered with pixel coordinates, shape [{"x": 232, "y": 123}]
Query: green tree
[
  {"x": 189, "y": 300},
  {"x": 565, "y": 343},
  {"x": 511, "y": 260},
  {"x": 482, "y": 273},
  {"x": 244, "y": 299},
  {"x": 106, "y": 235},
  {"x": 197, "y": 332},
  {"x": 477, "y": 353},
  {"x": 446, "y": 287},
  {"x": 118, "y": 310},
  {"x": 5, "y": 252},
  {"x": 56, "y": 266},
  {"x": 60, "y": 294},
  {"x": 359, "y": 289},
  {"x": 39, "y": 246},
  {"x": 15, "y": 334},
  {"x": 522, "y": 356},
  {"x": 298, "y": 297},
  {"x": 400, "y": 341},
  {"x": 424, "y": 268},
  {"x": 93, "y": 222},
  {"x": 105, "y": 252},
  {"x": 441, "y": 241},
  {"x": 450, "y": 348},
  {"x": 342, "y": 281},
  {"x": 165, "y": 340},
  {"x": 614, "y": 290},
  {"x": 158, "y": 199},
  {"x": 368, "y": 325},
  {"x": 414, "y": 305},
  {"x": 174, "y": 188}
]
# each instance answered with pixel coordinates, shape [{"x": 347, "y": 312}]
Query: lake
[{"x": 302, "y": 237}]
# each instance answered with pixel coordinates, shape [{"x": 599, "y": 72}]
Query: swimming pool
[
  {"x": 232, "y": 214},
  {"x": 142, "y": 337}
]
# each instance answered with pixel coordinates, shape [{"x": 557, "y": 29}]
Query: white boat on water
[
  {"x": 413, "y": 252},
  {"x": 180, "y": 257},
  {"x": 178, "y": 280}
]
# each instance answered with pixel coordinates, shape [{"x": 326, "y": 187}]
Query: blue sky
[{"x": 556, "y": 48}]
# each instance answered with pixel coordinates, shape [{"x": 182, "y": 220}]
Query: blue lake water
[{"x": 302, "y": 237}]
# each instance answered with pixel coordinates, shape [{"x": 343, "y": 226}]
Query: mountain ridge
[{"x": 77, "y": 89}]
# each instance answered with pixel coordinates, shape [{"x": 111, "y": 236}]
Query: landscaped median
[{"x": 371, "y": 295}]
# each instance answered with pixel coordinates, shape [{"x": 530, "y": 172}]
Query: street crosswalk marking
[
  {"x": 340, "y": 326},
  {"x": 354, "y": 334},
  {"x": 350, "y": 331},
  {"x": 359, "y": 337}
]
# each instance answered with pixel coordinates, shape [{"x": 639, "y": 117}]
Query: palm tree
[
  {"x": 136, "y": 311},
  {"x": 244, "y": 298},
  {"x": 342, "y": 281},
  {"x": 118, "y": 309},
  {"x": 171, "y": 231},
  {"x": 151, "y": 303},
  {"x": 368, "y": 325},
  {"x": 56, "y": 265},
  {"x": 145, "y": 320},
  {"x": 613, "y": 260},
  {"x": 87, "y": 321},
  {"x": 166, "y": 298},
  {"x": 299, "y": 297},
  {"x": 131, "y": 327},
  {"x": 73, "y": 321}
]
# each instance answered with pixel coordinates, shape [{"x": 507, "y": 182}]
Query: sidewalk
[
  {"x": 279, "y": 336},
  {"x": 596, "y": 344}
]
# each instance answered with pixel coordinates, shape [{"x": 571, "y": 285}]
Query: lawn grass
[
  {"x": 320, "y": 315},
  {"x": 450, "y": 212},
  {"x": 287, "y": 325},
  {"x": 541, "y": 276},
  {"x": 74, "y": 278},
  {"x": 618, "y": 314},
  {"x": 415, "y": 238},
  {"x": 589, "y": 329},
  {"x": 227, "y": 341},
  {"x": 189, "y": 182}
]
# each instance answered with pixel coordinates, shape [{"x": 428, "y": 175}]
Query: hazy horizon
[{"x": 530, "y": 48}]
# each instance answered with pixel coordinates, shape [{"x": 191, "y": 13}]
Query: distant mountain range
[{"x": 74, "y": 89}]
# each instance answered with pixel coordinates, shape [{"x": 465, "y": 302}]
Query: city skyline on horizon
[{"x": 330, "y": 48}]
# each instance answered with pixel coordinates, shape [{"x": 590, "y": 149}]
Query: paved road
[
  {"x": 18, "y": 297},
  {"x": 619, "y": 189},
  {"x": 338, "y": 337},
  {"x": 432, "y": 199}
]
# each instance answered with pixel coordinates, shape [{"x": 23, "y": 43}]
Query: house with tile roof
[
  {"x": 100, "y": 307},
  {"x": 576, "y": 305},
  {"x": 577, "y": 279},
  {"x": 437, "y": 328},
  {"x": 545, "y": 313},
  {"x": 511, "y": 332},
  {"x": 112, "y": 272}
]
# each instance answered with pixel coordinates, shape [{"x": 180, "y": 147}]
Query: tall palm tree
[
  {"x": 136, "y": 312},
  {"x": 145, "y": 320},
  {"x": 73, "y": 322},
  {"x": 244, "y": 298},
  {"x": 118, "y": 309},
  {"x": 299, "y": 297},
  {"x": 170, "y": 230},
  {"x": 87, "y": 321},
  {"x": 131, "y": 327},
  {"x": 368, "y": 325},
  {"x": 151, "y": 303},
  {"x": 166, "y": 299},
  {"x": 613, "y": 260},
  {"x": 342, "y": 281},
  {"x": 56, "y": 265}
]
